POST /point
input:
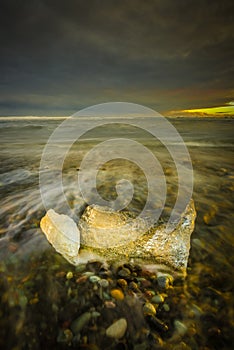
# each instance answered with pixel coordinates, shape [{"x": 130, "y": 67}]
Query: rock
[
  {"x": 166, "y": 307},
  {"x": 81, "y": 279},
  {"x": 180, "y": 327},
  {"x": 69, "y": 275},
  {"x": 133, "y": 286},
  {"x": 110, "y": 304},
  {"x": 122, "y": 283},
  {"x": 157, "y": 299},
  {"x": 103, "y": 283},
  {"x": 62, "y": 232},
  {"x": 117, "y": 329},
  {"x": 88, "y": 273},
  {"x": 124, "y": 272},
  {"x": 149, "y": 309},
  {"x": 164, "y": 281},
  {"x": 117, "y": 294},
  {"x": 94, "y": 279},
  {"x": 78, "y": 324}
]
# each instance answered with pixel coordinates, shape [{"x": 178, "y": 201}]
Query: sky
[{"x": 59, "y": 56}]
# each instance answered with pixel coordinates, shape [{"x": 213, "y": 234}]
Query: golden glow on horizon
[
  {"x": 222, "y": 111},
  {"x": 212, "y": 110}
]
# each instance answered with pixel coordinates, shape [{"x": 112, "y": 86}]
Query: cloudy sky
[{"x": 58, "y": 56}]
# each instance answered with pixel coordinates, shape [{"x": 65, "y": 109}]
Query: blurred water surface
[{"x": 210, "y": 272}]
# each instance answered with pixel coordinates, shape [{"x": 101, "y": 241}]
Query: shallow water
[{"x": 36, "y": 296}]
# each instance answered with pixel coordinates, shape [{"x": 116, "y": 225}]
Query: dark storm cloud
[{"x": 62, "y": 55}]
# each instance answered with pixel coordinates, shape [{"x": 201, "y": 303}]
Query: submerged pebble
[
  {"x": 117, "y": 294},
  {"x": 94, "y": 279},
  {"x": 157, "y": 299},
  {"x": 180, "y": 327},
  {"x": 117, "y": 329},
  {"x": 110, "y": 304},
  {"x": 79, "y": 323},
  {"x": 164, "y": 281},
  {"x": 122, "y": 282},
  {"x": 149, "y": 309},
  {"x": 124, "y": 272},
  {"x": 103, "y": 283},
  {"x": 69, "y": 275}
]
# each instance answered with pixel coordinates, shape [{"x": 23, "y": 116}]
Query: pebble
[
  {"x": 122, "y": 283},
  {"x": 117, "y": 329},
  {"x": 164, "y": 281},
  {"x": 106, "y": 296},
  {"x": 180, "y": 327},
  {"x": 149, "y": 309},
  {"x": 69, "y": 275},
  {"x": 117, "y": 294},
  {"x": 94, "y": 279},
  {"x": 78, "y": 324},
  {"x": 157, "y": 299},
  {"x": 110, "y": 304},
  {"x": 145, "y": 283},
  {"x": 133, "y": 286},
  {"x": 103, "y": 283},
  {"x": 81, "y": 279},
  {"x": 166, "y": 307},
  {"x": 88, "y": 273},
  {"x": 148, "y": 294},
  {"x": 124, "y": 272}
]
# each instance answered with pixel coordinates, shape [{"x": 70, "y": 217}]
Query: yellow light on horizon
[{"x": 213, "y": 111}]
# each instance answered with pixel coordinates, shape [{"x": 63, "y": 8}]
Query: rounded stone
[
  {"x": 122, "y": 283},
  {"x": 133, "y": 286},
  {"x": 94, "y": 279},
  {"x": 157, "y": 299},
  {"x": 164, "y": 281},
  {"x": 117, "y": 329},
  {"x": 149, "y": 309},
  {"x": 103, "y": 283},
  {"x": 117, "y": 294},
  {"x": 69, "y": 275},
  {"x": 166, "y": 307},
  {"x": 79, "y": 323},
  {"x": 124, "y": 272},
  {"x": 180, "y": 327}
]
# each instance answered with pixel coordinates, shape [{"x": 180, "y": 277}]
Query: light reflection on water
[{"x": 210, "y": 144}]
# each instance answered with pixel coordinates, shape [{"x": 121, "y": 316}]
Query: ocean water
[{"x": 206, "y": 304}]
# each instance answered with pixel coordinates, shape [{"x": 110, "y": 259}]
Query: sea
[{"x": 32, "y": 180}]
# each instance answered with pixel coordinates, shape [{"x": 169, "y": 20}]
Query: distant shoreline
[{"x": 65, "y": 117}]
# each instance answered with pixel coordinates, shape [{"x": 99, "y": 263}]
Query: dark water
[{"x": 38, "y": 301}]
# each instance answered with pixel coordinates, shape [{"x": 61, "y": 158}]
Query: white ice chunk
[{"x": 62, "y": 232}]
